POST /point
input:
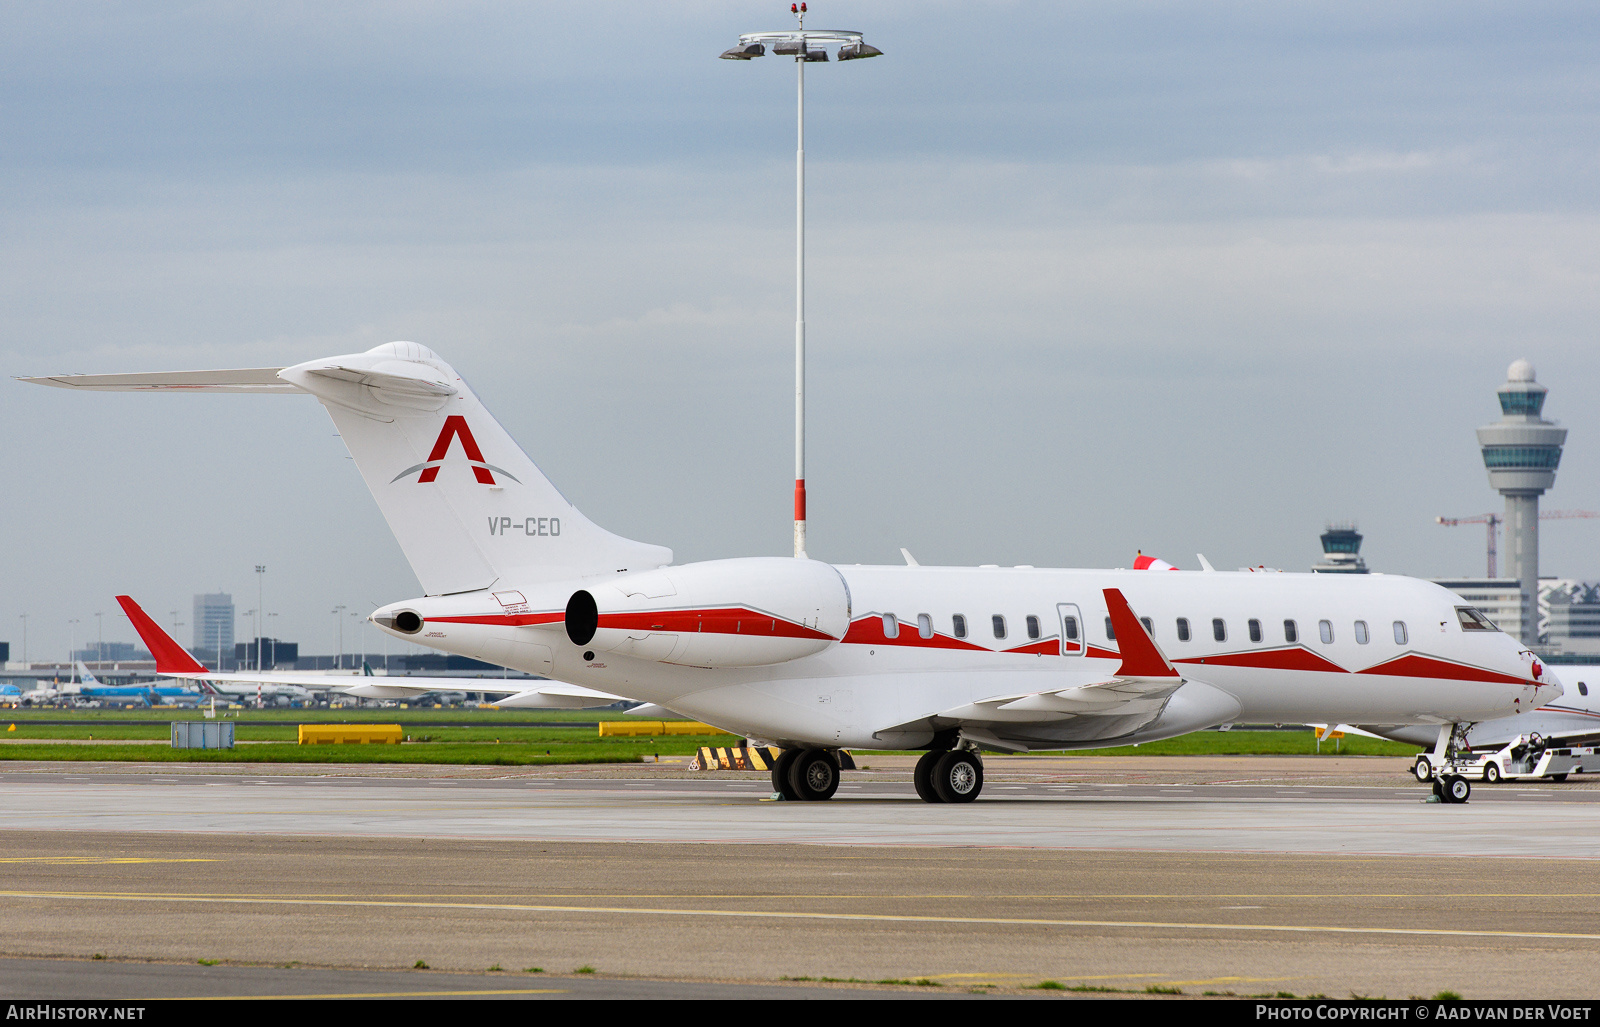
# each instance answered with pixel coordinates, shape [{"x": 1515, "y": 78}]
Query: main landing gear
[
  {"x": 949, "y": 775},
  {"x": 808, "y": 775}
]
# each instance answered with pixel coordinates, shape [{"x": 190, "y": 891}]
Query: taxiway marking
[{"x": 793, "y": 915}]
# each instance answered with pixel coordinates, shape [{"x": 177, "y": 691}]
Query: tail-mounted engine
[{"x": 723, "y": 613}]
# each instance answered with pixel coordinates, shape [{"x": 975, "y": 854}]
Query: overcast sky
[{"x": 1083, "y": 279}]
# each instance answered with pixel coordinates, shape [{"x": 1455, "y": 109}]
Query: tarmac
[{"x": 1244, "y": 875}]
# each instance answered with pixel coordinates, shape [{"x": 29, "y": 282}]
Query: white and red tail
[{"x": 467, "y": 505}]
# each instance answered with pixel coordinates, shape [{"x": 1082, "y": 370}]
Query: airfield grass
[
  {"x": 488, "y": 736},
  {"x": 468, "y": 736},
  {"x": 572, "y": 748}
]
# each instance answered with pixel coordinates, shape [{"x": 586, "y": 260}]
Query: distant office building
[
  {"x": 1499, "y": 599},
  {"x": 277, "y": 653},
  {"x": 213, "y": 626},
  {"x": 1569, "y": 616},
  {"x": 1341, "y": 551},
  {"x": 108, "y": 652}
]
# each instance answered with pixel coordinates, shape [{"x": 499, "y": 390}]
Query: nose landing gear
[
  {"x": 1448, "y": 786},
  {"x": 1452, "y": 788}
]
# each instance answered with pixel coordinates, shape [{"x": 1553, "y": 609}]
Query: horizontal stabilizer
[{"x": 244, "y": 379}]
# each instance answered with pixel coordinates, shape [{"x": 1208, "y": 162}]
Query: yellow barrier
[
  {"x": 350, "y": 734},
  {"x": 653, "y": 728}
]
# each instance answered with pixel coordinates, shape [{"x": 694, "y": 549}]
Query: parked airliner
[
  {"x": 817, "y": 657},
  {"x": 282, "y": 687}
]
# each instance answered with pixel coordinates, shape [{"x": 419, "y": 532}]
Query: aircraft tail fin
[
  {"x": 171, "y": 658},
  {"x": 84, "y": 677},
  {"x": 466, "y": 504}
]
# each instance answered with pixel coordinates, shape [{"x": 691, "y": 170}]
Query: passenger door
[{"x": 1072, "y": 636}]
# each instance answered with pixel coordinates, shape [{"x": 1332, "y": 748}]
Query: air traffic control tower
[{"x": 1521, "y": 452}]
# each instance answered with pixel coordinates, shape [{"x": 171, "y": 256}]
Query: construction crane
[{"x": 1493, "y": 521}]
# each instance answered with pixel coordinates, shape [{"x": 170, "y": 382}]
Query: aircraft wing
[
  {"x": 543, "y": 695},
  {"x": 1133, "y": 697}
]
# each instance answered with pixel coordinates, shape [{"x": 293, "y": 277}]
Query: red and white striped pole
[{"x": 800, "y": 306}]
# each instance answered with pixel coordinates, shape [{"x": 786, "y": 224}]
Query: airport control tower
[{"x": 1521, "y": 451}]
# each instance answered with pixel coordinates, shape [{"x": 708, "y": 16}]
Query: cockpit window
[{"x": 1473, "y": 620}]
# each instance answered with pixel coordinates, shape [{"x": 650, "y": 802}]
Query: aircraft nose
[{"x": 1550, "y": 687}]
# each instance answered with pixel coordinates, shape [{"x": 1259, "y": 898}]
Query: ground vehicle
[{"x": 1526, "y": 758}]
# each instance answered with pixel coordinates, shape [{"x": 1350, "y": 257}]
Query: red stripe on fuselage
[
  {"x": 1296, "y": 658},
  {"x": 730, "y": 621},
  {"x": 1413, "y": 666},
  {"x": 869, "y": 631}
]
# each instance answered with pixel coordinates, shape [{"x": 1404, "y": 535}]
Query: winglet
[
  {"x": 1141, "y": 657},
  {"x": 171, "y": 658}
]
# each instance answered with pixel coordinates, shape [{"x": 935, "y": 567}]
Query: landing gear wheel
[
  {"x": 1423, "y": 769},
  {"x": 1491, "y": 774},
  {"x": 958, "y": 776},
  {"x": 780, "y": 775},
  {"x": 1455, "y": 789},
  {"x": 922, "y": 777},
  {"x": 1558, "y": 777},
  {"x": 814, "y": 775}
]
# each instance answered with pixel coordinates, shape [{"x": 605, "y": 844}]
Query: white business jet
[{"x": 817, "y": 657}]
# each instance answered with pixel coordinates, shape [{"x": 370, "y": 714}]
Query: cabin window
[
  {"x": 1361, "y": 633},
  {"x": 959, "y": 623},
  {"x": 1472, "y": 620},
  {"x": 1111, "y": 633},
  {"x": 1219, "y": 630},
  {"x": 1148, "y": 626},
  {"x": 1400, "y": 632},
  {"x": 1070, "y": 627},
  {"x": 891, "y": 627},
  {"x": 1255, "y": 630},
  {"x": 999, "y": 626},
  {"x": 1583, "y": 689},
  {"x": 1291, "y": 632},
  {"x": 1325, "y": 628},
  {"x": 925, "y": 625},
  {"x": 1033, "y": 626},
  {"x": 1183, "y": 629}
]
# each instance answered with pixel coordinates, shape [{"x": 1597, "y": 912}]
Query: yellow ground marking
[
  {"x": 766, "y": 914},
  {"x": 1229, "y": 980},
  {"x": 92, "y": 861},
  {"x": 504, "y": 896},
  {"x": 360, "y": 994},
  {"x": 1030, "y": 977}
]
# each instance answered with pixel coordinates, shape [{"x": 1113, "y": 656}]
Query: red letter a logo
[{"x": 455, "y": 425}]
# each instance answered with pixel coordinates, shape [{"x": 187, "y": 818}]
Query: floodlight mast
[{"x": 805, "y": 45}]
